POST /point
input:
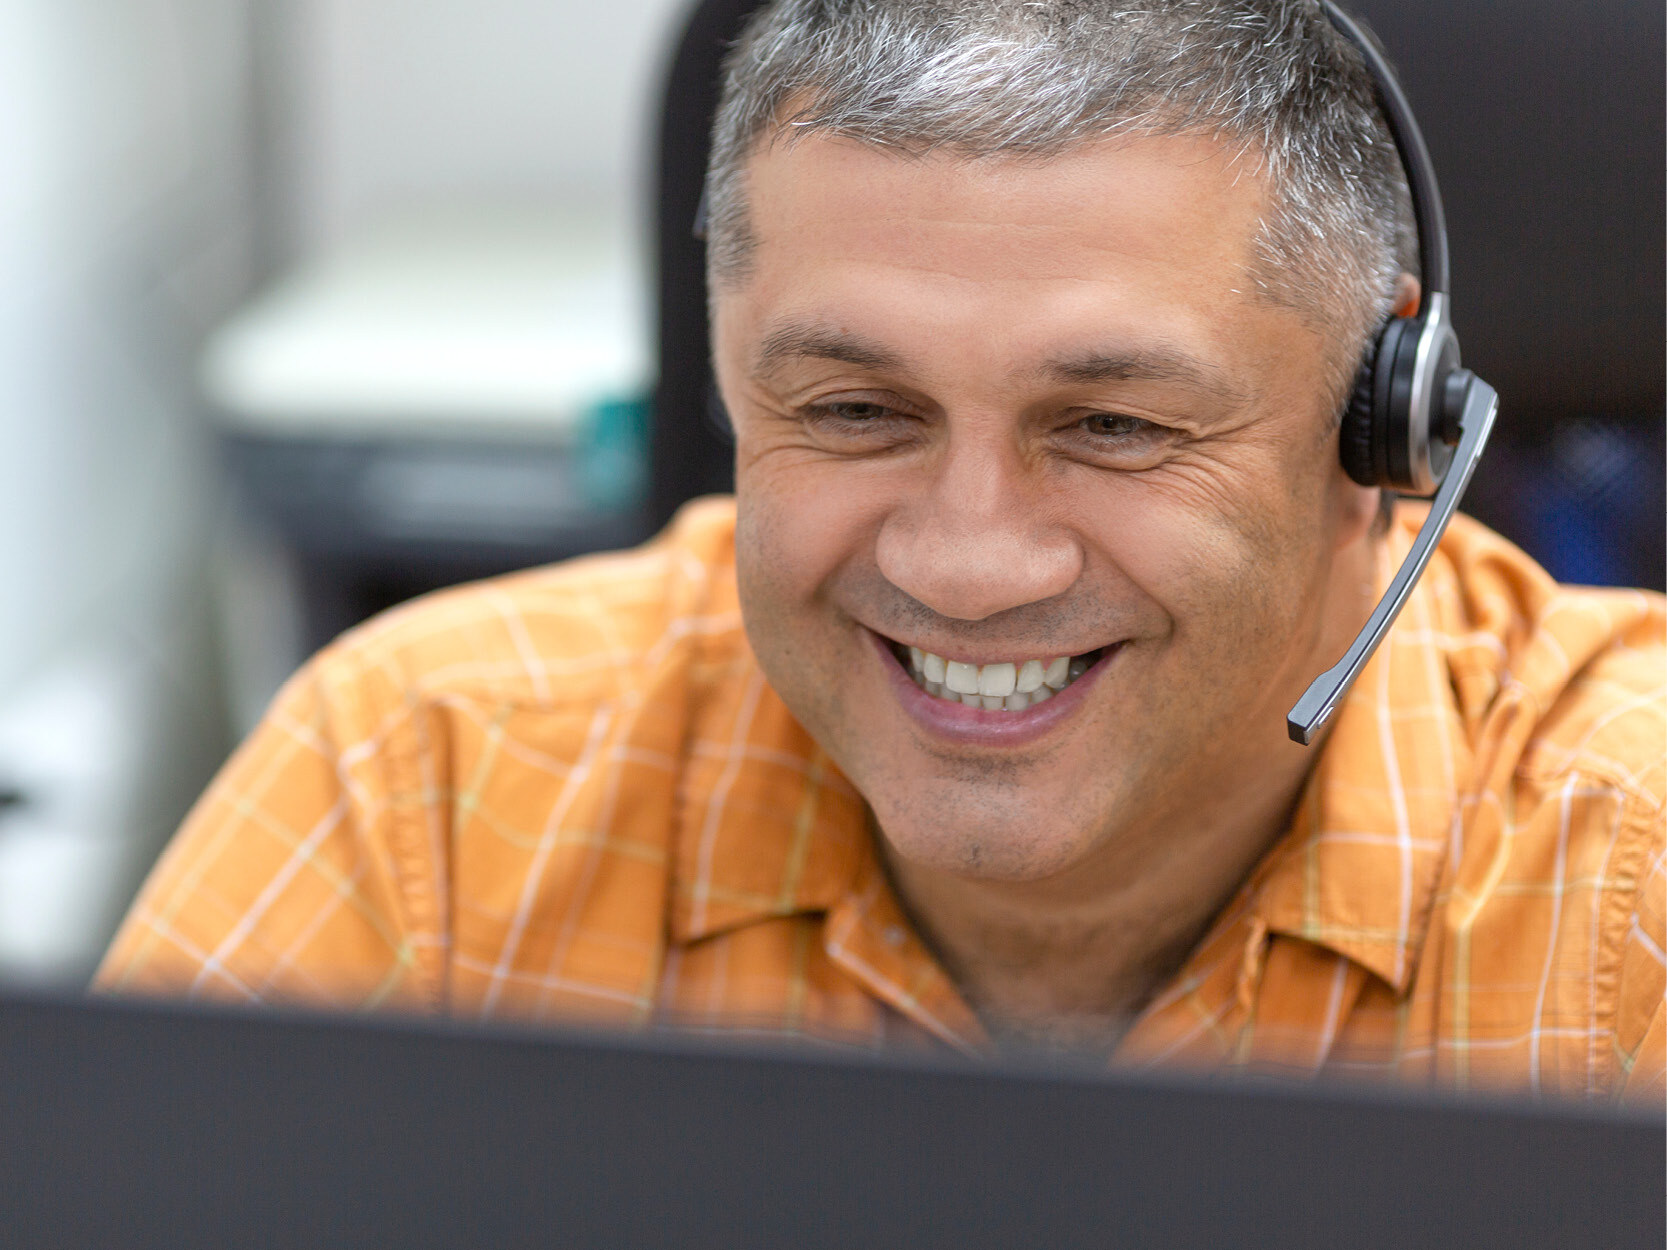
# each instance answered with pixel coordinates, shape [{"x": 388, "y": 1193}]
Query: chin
[{"x": 1006, "y": 837}]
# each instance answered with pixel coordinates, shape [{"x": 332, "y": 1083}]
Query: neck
[{"x": 1071, "y": 959}]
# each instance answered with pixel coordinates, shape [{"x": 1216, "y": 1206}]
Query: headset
[{"x": 1416, "y": 423}]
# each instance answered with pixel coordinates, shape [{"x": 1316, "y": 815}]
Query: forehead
[
  {"x": 1174, "y": 208},
  {"x": 1150, "y": 236}
]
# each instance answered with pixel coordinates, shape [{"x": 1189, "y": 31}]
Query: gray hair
[{"x": 1033, "y": 78}]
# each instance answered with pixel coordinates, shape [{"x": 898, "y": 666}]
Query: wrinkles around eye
[{"x": 1119, "y": 437}]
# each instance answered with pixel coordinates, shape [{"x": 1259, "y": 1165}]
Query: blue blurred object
[
  {"x": 1588, "y": 500},
  {"x": 1598, "y": 486}
]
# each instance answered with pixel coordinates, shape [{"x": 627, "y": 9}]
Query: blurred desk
[{"x": 456, "y": 396}]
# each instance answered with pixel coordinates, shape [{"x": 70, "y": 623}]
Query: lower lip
[{"x": 975, "y": 726}]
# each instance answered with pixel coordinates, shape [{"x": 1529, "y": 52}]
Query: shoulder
[
  {"x": 1563, "y": 691},
  {"x": 586, "y": 629},
  {"x": 1599, "y": 686},
  {"x": 1572, "y": 680}
]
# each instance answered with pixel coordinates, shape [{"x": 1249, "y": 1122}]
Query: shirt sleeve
[
  {"x": 1641, "y": 1015},
  {"x": 293, "y": 879}
]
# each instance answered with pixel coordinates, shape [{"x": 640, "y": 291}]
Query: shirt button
[{"x": 894, "y": 935}]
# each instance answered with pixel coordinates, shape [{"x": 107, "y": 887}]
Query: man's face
[{"x": 1007, "y": 411}]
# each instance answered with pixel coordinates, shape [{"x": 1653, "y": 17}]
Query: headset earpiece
[
  {"x": 1397, "y": 431},
  {"x": 1354, "y": 441},
  {"x": 1419, "y": 431}
]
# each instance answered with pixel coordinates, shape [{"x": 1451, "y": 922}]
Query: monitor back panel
[{"x": 147, "y": 1126}]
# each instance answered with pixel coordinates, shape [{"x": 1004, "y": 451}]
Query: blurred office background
[{"x": 307, "y": 306}]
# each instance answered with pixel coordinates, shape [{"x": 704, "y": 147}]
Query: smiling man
[{"x": 964, "y": 723}]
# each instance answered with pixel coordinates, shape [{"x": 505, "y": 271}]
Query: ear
[
  {"x": 1407, "y": 296},
  {"x": 1356, "y": 511}
]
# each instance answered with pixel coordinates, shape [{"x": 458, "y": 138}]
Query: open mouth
[{"x": 1008, "y": 686}]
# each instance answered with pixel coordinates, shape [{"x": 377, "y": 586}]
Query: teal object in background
[{"x": 612, "y": 454}]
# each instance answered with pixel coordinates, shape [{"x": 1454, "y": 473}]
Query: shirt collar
[{"x": 768, "y": 826}]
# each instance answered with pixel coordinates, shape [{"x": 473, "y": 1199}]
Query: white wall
[
  {"x": 124, "y": 225},
  {"x": 122, "y": 235},
  {"x": 401, "y": 104}
]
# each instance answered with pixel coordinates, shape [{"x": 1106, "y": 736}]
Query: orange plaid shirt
[{"x": 570, "y": 794}]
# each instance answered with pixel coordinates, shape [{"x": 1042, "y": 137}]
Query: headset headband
[{"x": 1415, "y": 156}]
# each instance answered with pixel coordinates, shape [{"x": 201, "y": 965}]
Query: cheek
[
  {"x": 1227, "y": 565},
  {"x": 801, "y": 515},
  {"x": 790, "y": 549},
  {"x": 792, "y": 537},
  {"x": 764, "y": 570}
]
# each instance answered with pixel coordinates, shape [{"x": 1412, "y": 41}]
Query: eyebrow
[
  {"x": 801, "y": 342},
  {"x": 1148, "y": 363},
  {"x": 1156, "y": 363}
]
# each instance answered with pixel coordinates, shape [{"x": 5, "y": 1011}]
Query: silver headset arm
[{"x": 1481, "y": 405}]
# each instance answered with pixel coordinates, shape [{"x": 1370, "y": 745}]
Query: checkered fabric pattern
[{"x": 570, "y": 794}]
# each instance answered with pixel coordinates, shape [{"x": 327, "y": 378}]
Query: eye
[
  {"x": 858, "y": 424},
  {"x": 1122, "y": 441},
  {"x": 856, "y": 412},
  {"x": 1116, "y": 427}
]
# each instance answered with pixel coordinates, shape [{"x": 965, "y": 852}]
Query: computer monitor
[{"x": 142, "y": 1125}]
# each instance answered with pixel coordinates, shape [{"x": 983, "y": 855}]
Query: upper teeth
[{"x": 1008, "y": 685}]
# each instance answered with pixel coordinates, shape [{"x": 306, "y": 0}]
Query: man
[{"x": 963, "y": 725}]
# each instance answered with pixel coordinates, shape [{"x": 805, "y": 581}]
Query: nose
[{"x": 977, "y": 538}]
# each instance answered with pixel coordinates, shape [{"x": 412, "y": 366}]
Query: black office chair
[
  {"x": 1545, "y": 118},
  {"x": 690, "y": 454}
]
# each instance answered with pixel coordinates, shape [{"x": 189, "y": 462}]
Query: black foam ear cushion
[{"x": 1354, "y": 443}]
